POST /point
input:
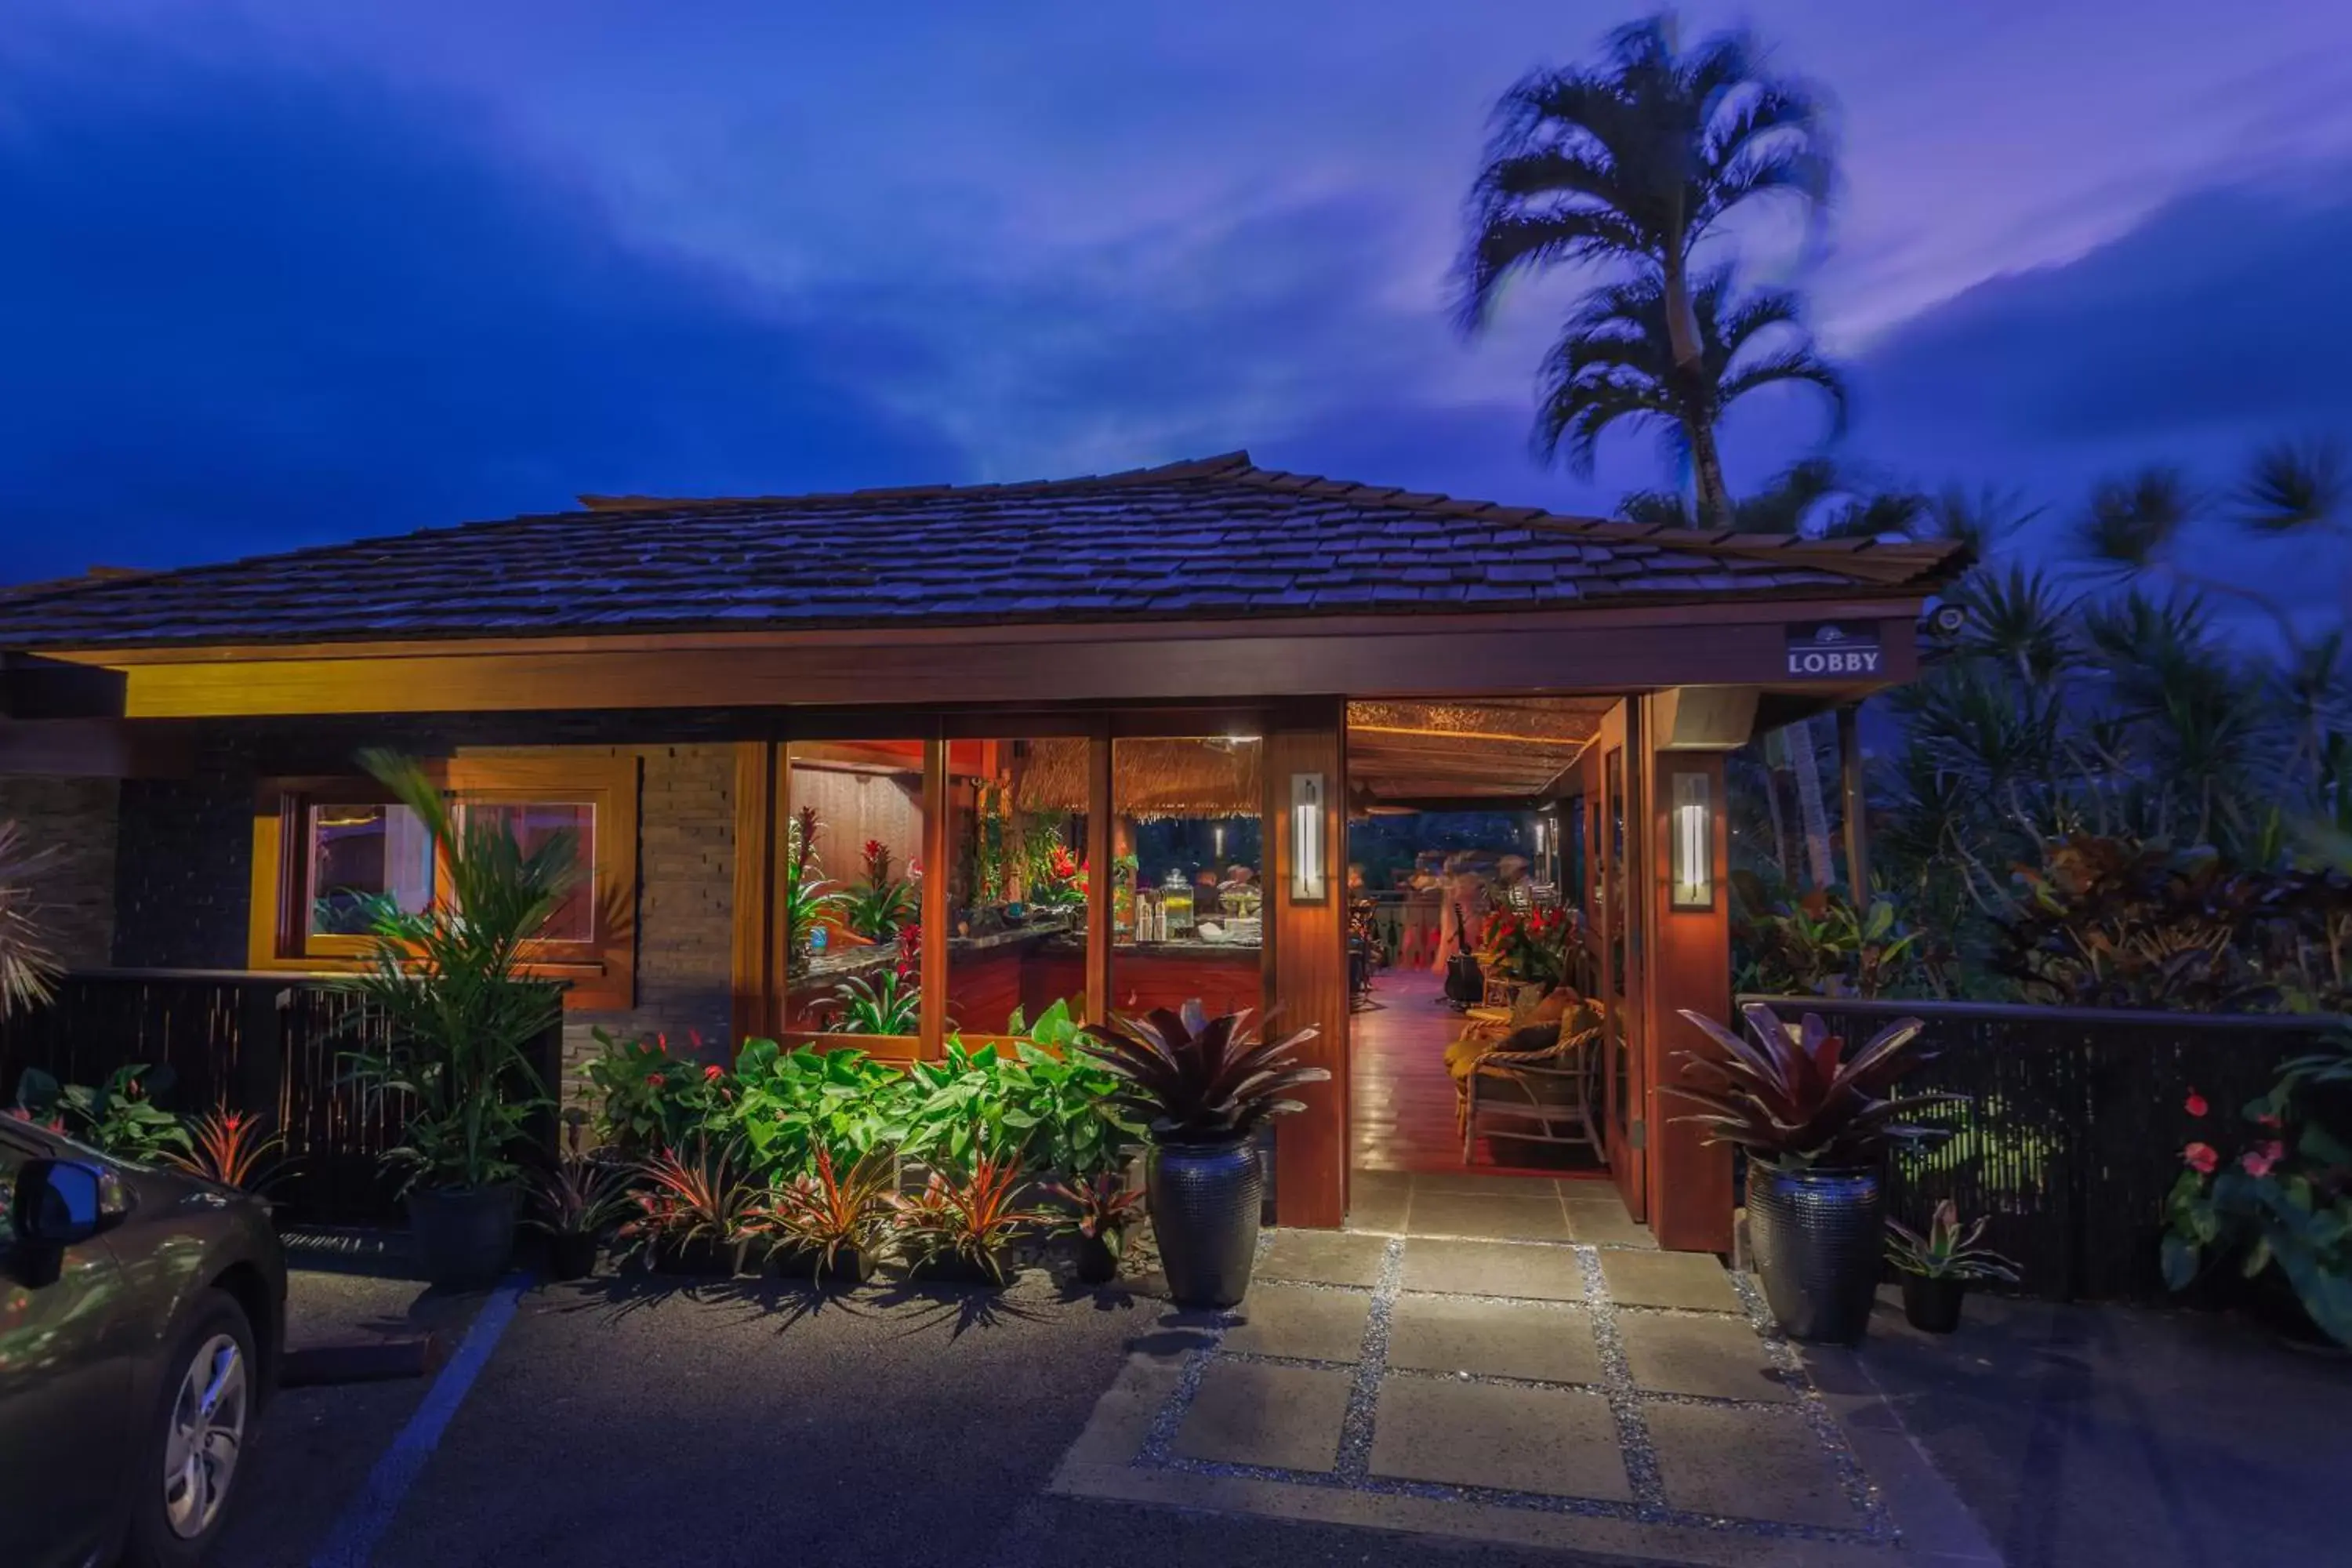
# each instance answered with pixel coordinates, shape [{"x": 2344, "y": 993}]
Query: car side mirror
[{"x": 61, "y": 1203}]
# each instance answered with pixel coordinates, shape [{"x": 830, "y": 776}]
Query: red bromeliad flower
[
  {"x": 2258, "y": 1162},
  {"x": 2200, "y": 1158},
  {"x": 1066, "y": 865},
  {"x": 2195, "y": 1104},
  {"x": 661, "y": 1043}
]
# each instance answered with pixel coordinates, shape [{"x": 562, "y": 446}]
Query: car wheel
[{"x": 193, "y": 1450}]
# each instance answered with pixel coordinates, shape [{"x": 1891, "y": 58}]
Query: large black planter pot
[
  {"x": 572, "y": 1254},
  {"x": 1204, "y": 1202},
  {"x": 1818, "y": 1238},
  {"x": 1933, "y": 1305},
  {"x": 462, "y": 1236}
]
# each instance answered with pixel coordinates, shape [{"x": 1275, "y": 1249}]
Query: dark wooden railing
[
  {"x": 261, "y": 1043},
  {"x": 2075, "y": 1123}
]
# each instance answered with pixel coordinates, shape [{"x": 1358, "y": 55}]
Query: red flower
[
  {"x": 661, "y": 1043},
  {"x": 2266, "y": 1119},
  {"x": 2258, "y": 1162},
  {"x": 710, "y": 1073},
  {"x": 655, "y": 1080},
  {"x": 875, "y": 849},
  {"x": 2200, "y": 1158},
  {"x": 131, "y": 1089},
  {"x": 2195, "y": 1104},
  {"x": 695, "y": 1037},
  {"x": 232, "y": 1122}
]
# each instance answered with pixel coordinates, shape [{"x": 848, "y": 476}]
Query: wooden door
[{"x": 1616, "y": 841}]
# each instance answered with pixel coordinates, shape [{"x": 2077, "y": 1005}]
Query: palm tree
[
  {"x": 1615, "y": 362},
  {"x": 1635, "y": 164}
]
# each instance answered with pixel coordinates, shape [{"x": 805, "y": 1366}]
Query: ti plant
[
  {"x": 970, "y": 1216},
  {"x": 1192, "y": 1078},
  {"x": 887, "y": 1004},
  {"x": 1946, "y": 1249},
  {"x": 1793, "y": 1097},
  {"x": 232, "y": 1149},
  {"x": 118, "y": 1117},
  {"x": 828, "y": 1213},
  {"x": 686, "y": 1196},
  {"x": 28, "y": 966},
  {"x": 577, "y": 1194}
]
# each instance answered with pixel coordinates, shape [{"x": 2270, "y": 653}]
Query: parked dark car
[{"x": 142, "y": 1314}]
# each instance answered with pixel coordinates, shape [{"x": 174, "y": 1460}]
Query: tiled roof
[{"x": 1214, "y": 538}]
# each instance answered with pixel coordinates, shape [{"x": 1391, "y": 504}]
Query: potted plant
[
  {"x": 450, "y": 1020},
  {"x": 119, "y": 1116},
  {"x": 832, "y": 1225},
  {"x": 1203, "y": 1086},
  {"x": 1816, "y": 1122},
  {"x": 959, "y": 1225},
  {"x": 693, "y": 1214},
  {"x": 1938, "y": 1267},
  {"x": 1100, "y": 1208},
  {"x": 574, "y": 1201}
]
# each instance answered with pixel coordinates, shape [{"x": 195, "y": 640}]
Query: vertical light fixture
[
  {"x": 1218, "y": 835},
  {"x": 1307, "y": 879},
  {"x": 1693, "y": 844}
]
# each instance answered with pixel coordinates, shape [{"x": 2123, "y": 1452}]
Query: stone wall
[{"x": 76, "y": 819}]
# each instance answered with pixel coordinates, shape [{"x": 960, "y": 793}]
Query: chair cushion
[{"x": 1532, "y": 1037}]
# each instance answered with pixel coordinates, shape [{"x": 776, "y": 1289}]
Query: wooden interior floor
[{"x": 1401, "y": 1099}]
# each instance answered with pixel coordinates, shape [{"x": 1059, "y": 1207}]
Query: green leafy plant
[
  {"x": 1069, "y": 1100},
  {"x": 1192, "y": 1078},
  {"x": 233, "y": 1148},
  {"x": 1055, "y": 877},
  {"x": 790, "y": 1106},
  {"x": 29, "y": 964},
  {"x": 2284, "y": 1201},
  {"x": 827, "y": 1214},
  {"x": 1793, "y": 1098},
  {"x": 886, "y": 1003},
  {"x": 578, "y": 1194},
  {"x": 646, "y": 1099},
  {"x": 118, "y": 1117},
  {"x": 1820, "y": 944},
  {"x": 991, "y": 834},
  {"x": 2119, "y": 923},
  {"x": 882, "y": 903},
  {"x": 689, "y": 1195},
  {"x": 970, "y": 1215},
  {"x": 1946, "y": 1249},
  {"x": 450, "y": 1014},
  {"x": 969, "y": 1104},
  {"x": 806, "y": 899}
]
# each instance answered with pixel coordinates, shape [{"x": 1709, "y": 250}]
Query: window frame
[{"x": 599, "y": 974}]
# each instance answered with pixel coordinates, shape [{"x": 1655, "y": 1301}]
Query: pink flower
[
  {"x": 2258, "y": 1162},
  {"x": 711, "y": 1074},
  {"x": 655, "y": 1080},
  {"x": 661, "y": 1043},
  {"x": 2266, "y": 1120},
  {"x": 2195, "y": 1104},
  {"x": 2200, "y": 1158}
]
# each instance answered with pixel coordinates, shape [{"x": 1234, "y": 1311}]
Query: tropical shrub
[
  {"x": 2117, "y": 923},
  {"x": 825, "y": 1214},
  {"x": 1819, "y": 945},
  {"x": 970, "y": 1216},
  {"x": 118, "y": 1117},
  {"x": 788, "y": 1106},
  {"x": 232, "y": 1149},
  {"x": 1793, "y": 1098},
  {"x": 2283, "y": 1202},
  {"x": 806, "y": 899},
  {"x": 1530, "y": 947},
  {"x": 1192, "y": 1078},
  {"x": 648, "y": 1099}
]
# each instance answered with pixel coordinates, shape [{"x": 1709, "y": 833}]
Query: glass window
[
  {"x": 360, "y": 854},
  {"x": 849, "y": 888},
  {"x": 533, "y": 823},
  {"x": 1018, "y": 881},
  {"x": 1188, "y": 853}
]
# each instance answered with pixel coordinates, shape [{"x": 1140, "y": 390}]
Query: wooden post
[
  {"x": 752, "y": 968},
  {"x": 1099, "y": 874},
  {"x": 1308, "y": 959},
  {"x": 1857, "y": 804},
  {"x": 937, "y": 825},
  {"x": 1687, "y": 965}
]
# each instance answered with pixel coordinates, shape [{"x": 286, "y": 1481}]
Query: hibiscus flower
[{"x": 2200, "y": 1158}]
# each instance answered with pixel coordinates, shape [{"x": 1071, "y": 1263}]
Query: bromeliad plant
[
  {"x": 969, "y": 1217},
  {"x": 1946, "y": 1249},
  {"x": 117, "y": 1117},
  {"x": 687, "y": 1199},
  {"x": 889, "y": 1003},
  {"x": 808, "y": 900},
  {"x": 1192, "y": 1078},
  {"x": 882, "y": 903},
  {"x": 577, "y": 1194},
  {"x": 450, "y": 1013},
  {"x": 1794, "y": 1099},
  {"x": 1100, "y": 1208},
  {"x": 28, "y": 965},
  {"x": 824, "y": 1215},
  {"x": 232, "y": 1149}
]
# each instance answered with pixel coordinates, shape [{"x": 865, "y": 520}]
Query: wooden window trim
[{"x": 600, "y": 976}]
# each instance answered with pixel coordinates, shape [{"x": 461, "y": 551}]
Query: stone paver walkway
[{"x": 1558, "y": 1393}]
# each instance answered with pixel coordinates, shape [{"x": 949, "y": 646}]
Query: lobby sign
[{"x": 1832, "y": 650}]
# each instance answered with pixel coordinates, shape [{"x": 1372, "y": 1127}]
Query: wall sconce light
[
  {"x": 1218, "y": 835},
  {"x": 1693, "y": 844},
  {"x": 1307, "y": 879}
]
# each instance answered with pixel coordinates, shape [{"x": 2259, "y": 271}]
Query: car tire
[{"x": 175, "y": 1522}]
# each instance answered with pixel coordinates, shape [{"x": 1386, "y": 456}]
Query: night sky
[{"x": 279, "y": 271}]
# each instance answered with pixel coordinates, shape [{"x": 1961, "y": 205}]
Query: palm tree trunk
[
  {"x": 1714, "y": 502},
  {"x": 1805, "y": 761},
  {"x": 1772, "y": 811},
  {"x": 1707, "y": 469}
]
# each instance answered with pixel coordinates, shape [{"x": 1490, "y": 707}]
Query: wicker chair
[{"x": 1544, "y": 1096}]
